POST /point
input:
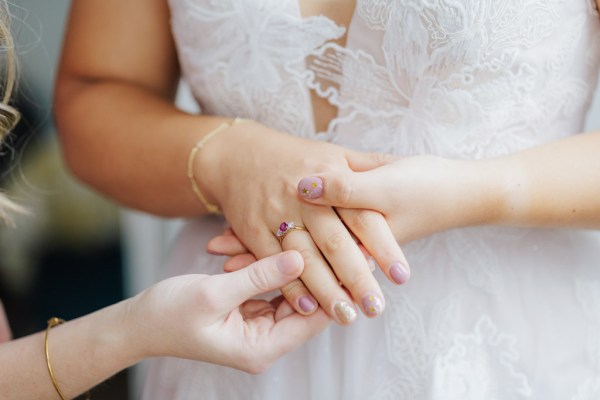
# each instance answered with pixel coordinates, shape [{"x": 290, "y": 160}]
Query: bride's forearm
[
  {"x": 119, "y": 129},
  {"x": 556, "y": 184},
  {"x": 83, "y": 353},
  {"x": 131, "y": 144}
]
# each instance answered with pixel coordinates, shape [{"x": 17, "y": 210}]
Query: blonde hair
[{"x": 8, "y": 115}]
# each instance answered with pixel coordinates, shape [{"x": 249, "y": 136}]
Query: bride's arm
[
  {"x": 114, "y": 93},
  {"x": 553, "y": 185}
]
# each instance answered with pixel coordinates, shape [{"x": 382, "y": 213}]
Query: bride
[{"x": 476, "y": 104}]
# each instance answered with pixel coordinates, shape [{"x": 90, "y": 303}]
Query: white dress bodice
[{"x": 490, "y": 313}]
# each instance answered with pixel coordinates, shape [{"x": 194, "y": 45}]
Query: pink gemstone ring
[{"x": 287, "y": 227}]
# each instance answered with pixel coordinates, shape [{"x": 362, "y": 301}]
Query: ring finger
[{"x": 320, "y": 279}]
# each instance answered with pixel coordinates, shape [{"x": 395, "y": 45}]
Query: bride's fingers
[
  {"x": 294, "y": 292},
  {"x": 226, "y": 244},
  {"x": 320, "y": 279},
  {"x": 238, "y": 262},
  {"x": 283, "y": 309},
  {"x": 374, "y": 233},
  {"x": 345, "y": 258},
  {"x": 368, "y": 257}
]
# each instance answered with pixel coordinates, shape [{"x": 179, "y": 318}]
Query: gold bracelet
[
  {"x": 212, "y": 208},
  {"x": 52, "y": 322}
]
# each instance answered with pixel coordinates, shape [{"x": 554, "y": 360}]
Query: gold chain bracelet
[
  {"x": 212, "y": 208},
  {"x": 52, "y": 322}
]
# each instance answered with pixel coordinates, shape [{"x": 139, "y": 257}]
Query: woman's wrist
[
  {"x": 118, "y": 333},
  {"x": 212, "y": 163},
  {"x": 488, "y": 191}
]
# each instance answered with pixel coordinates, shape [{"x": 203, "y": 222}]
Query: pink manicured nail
[
  {"x": 306, "y": 304},
  {"x": 311, "y": 187},
  {"x": 399, "y": 273},
  {"x": 372, "y": 304}
]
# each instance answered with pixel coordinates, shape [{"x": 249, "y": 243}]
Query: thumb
[
  {"x": 262, "y": 276},
  {"x": 341, "y": 189},
  {"x": 359, "y": 161}
]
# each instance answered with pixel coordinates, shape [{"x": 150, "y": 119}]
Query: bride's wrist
[
  {"x": 496, "y": 186},
  {"x": 211, "y": 163},
  {"x": 483, "y": 194}
]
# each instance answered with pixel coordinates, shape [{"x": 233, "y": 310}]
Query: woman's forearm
[
  {"x": 131, "y": 144},
  {"x": 556, "y": 184},
  {"x": 83, "y": 353},
  {"x": 114, "y": 107}
]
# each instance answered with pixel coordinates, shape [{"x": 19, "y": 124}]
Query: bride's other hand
[
  {"x": 418, "y": 195},
  {"x": 251, "y": 172},
  {"x": 209, "y": 318}
]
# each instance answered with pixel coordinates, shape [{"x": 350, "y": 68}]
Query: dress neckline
[{"x": 312, "y": 96}]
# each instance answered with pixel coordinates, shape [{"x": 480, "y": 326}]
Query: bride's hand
[
  {"x": 251, "y": 172},
  {"x": 227, "y": 244},
  {"x": 209, "y": 318},
  {"x": 418, "y": 196}
]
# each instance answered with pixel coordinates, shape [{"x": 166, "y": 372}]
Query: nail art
[
  {"x": 306, "y": 304},
  {"x": 344, "y": 312},
  {"x": 372, "y": 304},
  {"x": 399, "y": 273},
  {"x": 311, "y": 187}
]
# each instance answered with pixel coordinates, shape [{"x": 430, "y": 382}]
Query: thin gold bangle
[
  {"x": 52, "y": 322},
  {"x": 212, "y": 208}
]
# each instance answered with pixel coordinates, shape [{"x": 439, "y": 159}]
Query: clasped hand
[{"x": 252, "y": 171}]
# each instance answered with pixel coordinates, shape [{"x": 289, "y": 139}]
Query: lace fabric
[{"x": 490, "y": 313}]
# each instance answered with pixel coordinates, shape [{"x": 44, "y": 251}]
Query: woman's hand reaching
[
  {"x": 209, "y": 318},
  {"x": 198, "y": 317}
]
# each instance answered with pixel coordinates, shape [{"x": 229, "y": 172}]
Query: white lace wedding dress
[{"x": 490, "y": 313}]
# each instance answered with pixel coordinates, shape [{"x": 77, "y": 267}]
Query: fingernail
[
  {"x": 214, "y": 253},
  {"x": 287, "y": 263},
  {"x": 306, "y": 304},
  {"x": 311, "y": 187},
  {"x": 399, "y": 273},
  {"x": 372, "y": 304},
  {"x": 344, "y": 312}
]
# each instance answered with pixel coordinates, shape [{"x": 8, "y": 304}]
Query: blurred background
[{"x": 78, "y": 252}]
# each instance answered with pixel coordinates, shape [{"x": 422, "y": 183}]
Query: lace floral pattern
[
  {"x": 239, "y": 62},
  {"x": 432, "y": 364},
  {"x": 460, "y": 75}
]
